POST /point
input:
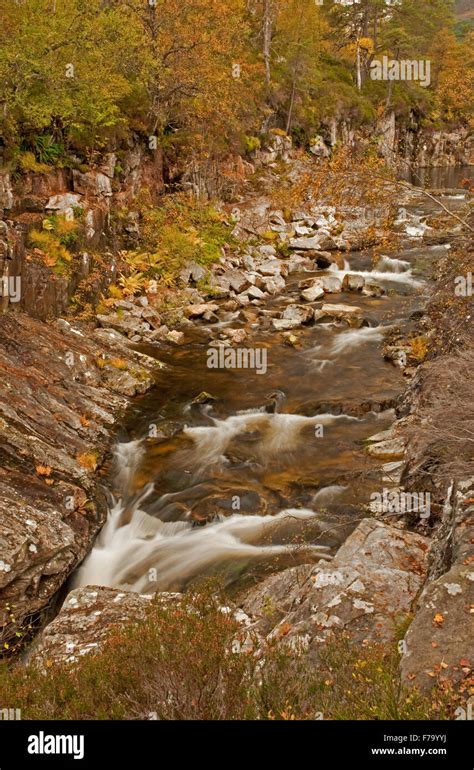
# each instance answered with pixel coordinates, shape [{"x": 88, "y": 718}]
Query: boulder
[
  {"x": 283, "y": 324},
  {"x": 236, "y": 336},
  {"x": 320, "y": 241},
  {"x": 273, "y": 285},
  {"x": 367, "y": 589},
  {"x": 87, "y": 617},
  {"x": 267, "y": 250},
  {"x": 272, "y": 267},
  {"x": 438, "y": 643},
  {"x": 199, "y": 310},
  {"x": 353, "y": 282},
  {"x": 348, "y": 313},
  {"x": 372, "y": 289},
  {"x": 330, "y": 283},
  {"x": 193, "y": 273},
  {"x": 175, "y": 337},
  {"x": 301, "y": 313},
  {"x": 313, "y": 293},
  {"x": 127, "y": 324},
  {"x": 254, "y": 293},
  {"x": 305, "y": 243}
]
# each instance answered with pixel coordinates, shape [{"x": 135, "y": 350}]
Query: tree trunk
[
  {"x": 358, "y": 72},
  {"x": 267, "y": 39},
  {"x": 292, "y": 102}
]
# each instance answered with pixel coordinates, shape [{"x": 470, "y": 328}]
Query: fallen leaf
[{"x": 43, "y": 470}]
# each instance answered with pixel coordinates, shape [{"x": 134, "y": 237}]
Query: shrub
[
  {"x": 190, "y": 659},
  {"x": 178, "y": 232}
]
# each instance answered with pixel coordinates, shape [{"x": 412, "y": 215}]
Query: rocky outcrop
[
  {"x": 438, "y": 643},
  {"x": 90, "y": 197},
  {"x": 62, "y": 391},
  {"x": 365, "y": 591},
  {"x": 85, "y": 621},
  {"x": 92, "y": 613}
]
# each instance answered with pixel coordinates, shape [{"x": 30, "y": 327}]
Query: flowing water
[{"x": 233, "y": 472}]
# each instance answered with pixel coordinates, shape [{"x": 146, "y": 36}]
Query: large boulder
[
  {"x": 367, "y": 589},
  {"x": 438, "y": 644},
  {"x": 86, "y": 619}
]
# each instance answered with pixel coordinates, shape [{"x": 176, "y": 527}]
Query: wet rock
[
  {"x": 372, "y": 582},
  {"x": 298, "y": 262},
  {"x": 236, "y": 336},
  {"x": 283, "y": 324},
  {"x": 372, "y": 289},
  {"x": 197, "y": 311},
  {"x": 348, "y": 313},
  {"x": 391, "y": 449},
  {"x": 313, "y": 292},
  {"x": 324, "y": 260},
  {"x": 301, "y": 313},
  {"x": 353, "y": 282},
  {"x": 331, "y": 284},
  {"x": 57, "y": 406},
  {"x": 175, "y": 337}
]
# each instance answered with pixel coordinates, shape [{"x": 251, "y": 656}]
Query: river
[{"x": 236, "y": 473}]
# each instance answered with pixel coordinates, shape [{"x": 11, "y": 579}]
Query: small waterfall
[
  {"x": 392, "y": 265},
  {"x": 147, "y": 555},
  {"x": 381, "y": 274},
  {"x": 353, "y": 338},
  {"x": 274, "y": 434}
]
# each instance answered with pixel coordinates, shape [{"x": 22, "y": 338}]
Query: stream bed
[{"x": 237, "y": 472}]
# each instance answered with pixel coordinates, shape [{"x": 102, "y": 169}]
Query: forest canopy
[{"x": 81, "y": 76}]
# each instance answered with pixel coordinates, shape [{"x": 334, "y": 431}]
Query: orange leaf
[
  {"x": 438, "y": 619},
  {"x": 43, "y": 470}
]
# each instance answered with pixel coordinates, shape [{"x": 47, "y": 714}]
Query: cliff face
[
  {"x": 61, "y": 392},
  {"x": 62, "y": 387},
  {"x": 92, "y": 197}
]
